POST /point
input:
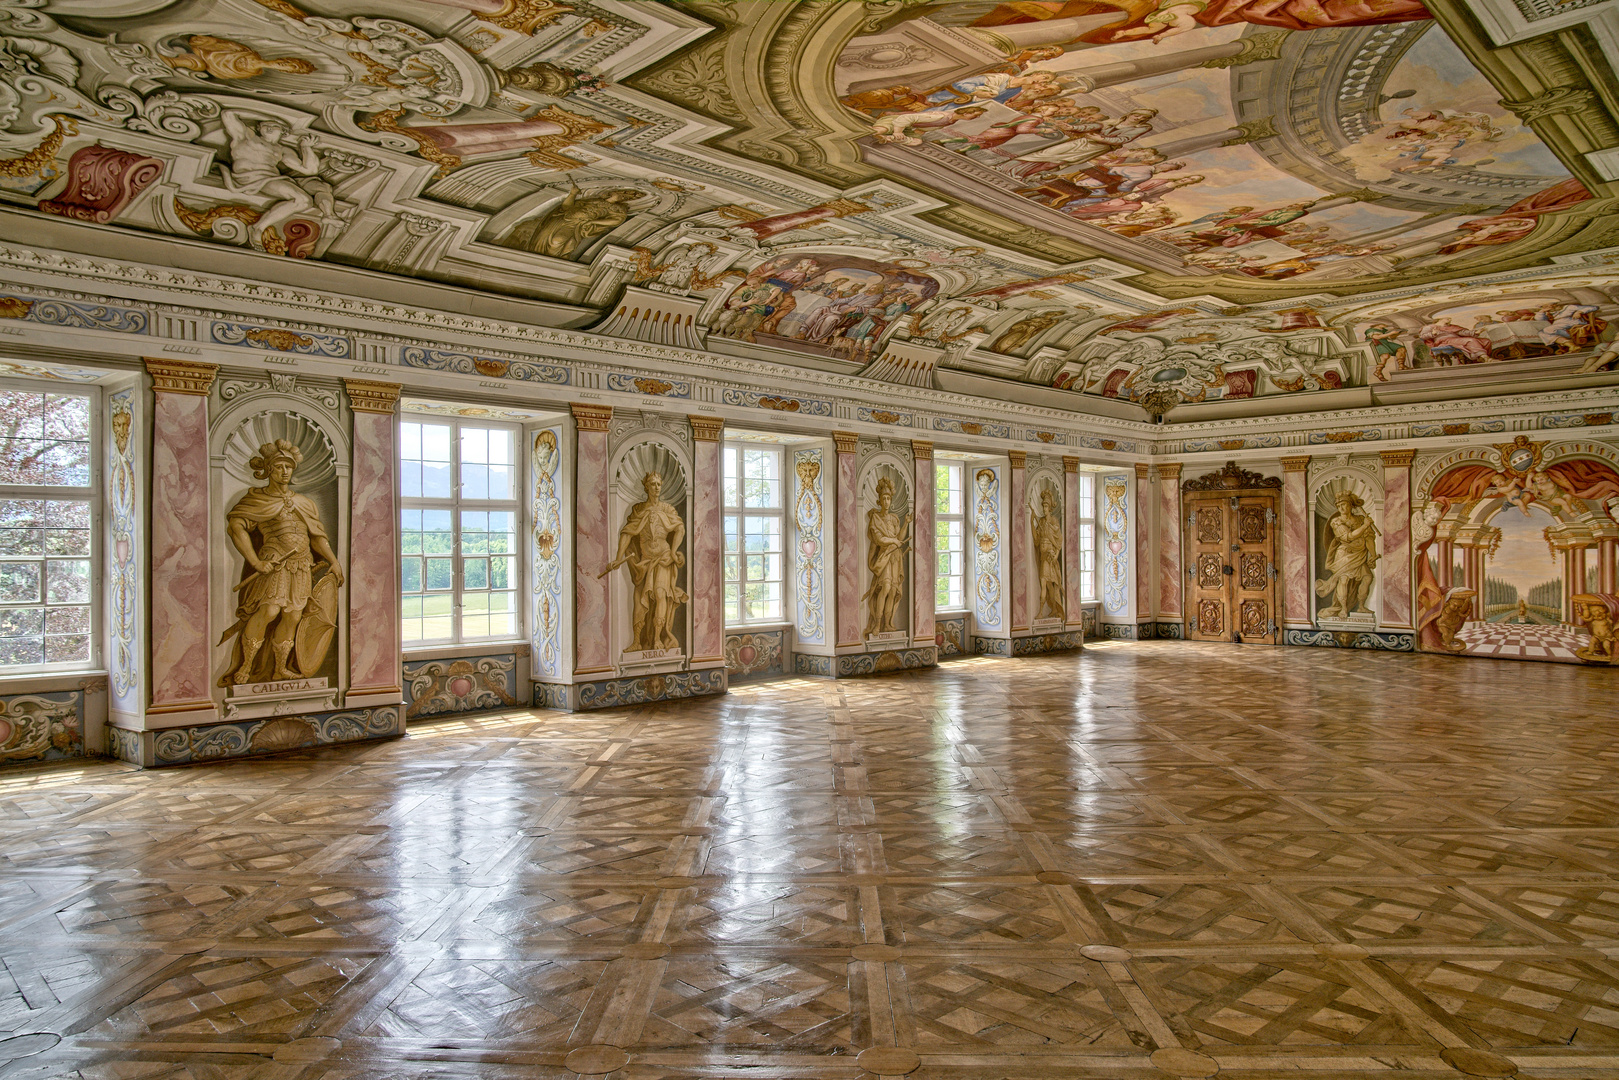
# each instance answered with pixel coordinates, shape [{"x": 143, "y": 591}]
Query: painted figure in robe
[
  {"x": 1047, "y": 529},
  {"x": 888, "y": 538},
  {"x": 1351, "y": 559}
]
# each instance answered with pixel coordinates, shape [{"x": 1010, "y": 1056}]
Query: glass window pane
[
  {"x": 410, "y": 574},
  {"x": 19, "y": 583},
  {"x": 475, "y": 574},
  {"x": 733, "y": 529},
  {"x": 440, "y": 573},
  {"x": 44, "y": 439},
  {"x": 20, "y": 622}
]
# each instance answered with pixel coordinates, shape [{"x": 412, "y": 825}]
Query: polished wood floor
[{"x": 1150, "y": 859}]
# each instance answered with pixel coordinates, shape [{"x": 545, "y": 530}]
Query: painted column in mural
[
  {"x": 707, "y": 586},
  {"x": 1018, "y": 546},
  {"x": 1072, "y": 602},
  {"x": 1169, "y": 542},
  {"x": 593, "y": 537},
  {"x": 374, "y": 562},
  {"x": 1606, "y": 547},
  {"x": 1397, "y": 537},
  {"x": 924, "y": 558},
  {"x": 180, "y": 680},
  {"x": 846, "y": 552},
  {"x": 809, "y": 558},
  {"x": 1143, "y": 559},
  {"x": 1295, "y": 541}
]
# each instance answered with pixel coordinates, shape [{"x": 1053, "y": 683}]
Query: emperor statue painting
[
  {"x": 1047, "y": 529},
  {"x": 888, "y": 537},
  {"x": 649, "y": 545},
  {"x": 279, "y": 535}
]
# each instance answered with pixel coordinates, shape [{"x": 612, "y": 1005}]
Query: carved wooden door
[{"x": 1231, "y": 567}]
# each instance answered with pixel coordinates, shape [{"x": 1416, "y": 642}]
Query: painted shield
[{"x": 318, "y": 625}]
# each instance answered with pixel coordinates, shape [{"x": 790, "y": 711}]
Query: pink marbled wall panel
[
  {"x": 1169, "y": 547},
  {"x": 592, "y": 535},
  {"x": 373, "y": 577},
  {"x": 1070, "y": 549},
  {"x": 924, "y": 565},
  {"x": 1143, "y": 567},
  {"x": 707, "y": 585},
  {"x": 1295, "y": 549},
  {"x": 180, "y": 531},
  {"x": 847, "y": 551},
  {"x": 1017, "y": 524},
  {"x": 1396, "y": 562}
]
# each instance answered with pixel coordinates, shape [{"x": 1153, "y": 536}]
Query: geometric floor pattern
[
  {"x": 1155, "y": 859},
  {"x": 1524, "y": 641}
]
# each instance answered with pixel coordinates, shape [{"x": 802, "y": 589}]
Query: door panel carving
[
  {"x": 1255, "y": 569},
  {"x": 1251, "y": 524},
  {"x": 1255, "y": 618},
  {"x": 1230, "y": 551}
]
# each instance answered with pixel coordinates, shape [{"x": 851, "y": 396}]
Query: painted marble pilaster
[
  {"x": 1396, "y": 562},
  {"x": 592, "y": 534},
  {"x": 374, "y": 551},
  {"x": 923, "y": 558},
  {"x": 125, "y": 558},
  {"x": 1169, "y": 541},
  {"x": 1116, "y": 546},
  {"x": 1018, "y": 545},
  {"x": 809, "y": 554},
  {"x": 1072, "y": 604},
  {"x": 707, "y": 586},
  {"x": 180, "y": 682},
  {"x": 1295, "y": 541},
  {"x": 847, "y": 549},
  {"x": 550, "y": 576},
  {"x": 1143, "y": 561}
]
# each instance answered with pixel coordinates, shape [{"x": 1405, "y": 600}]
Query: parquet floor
[{"x": 1154, "y": 859}]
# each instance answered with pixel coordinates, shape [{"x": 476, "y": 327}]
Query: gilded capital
[
  {"x": 180, "y": 376},
  {"x": 1169, "y": 470},
  {"x": 1070, "y": 464},
  {"x": 1296, "y": 464},
  {"x": 1018, "y": 458},
  {"x": 591, "y": 417},
  {"x": 847, "y": 441},
  {"x": 372, "y": 397},
  {"x": 1142, "y": 468},
  {"x": 1396, "y": 459},
  {"x": 921, "y": 450},
  {"x": 706, "y": 428}
]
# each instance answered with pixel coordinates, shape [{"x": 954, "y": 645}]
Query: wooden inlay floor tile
[{"x": 1144, "y": 861}]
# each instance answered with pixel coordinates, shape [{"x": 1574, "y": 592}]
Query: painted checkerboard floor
[{"x": 1524, "y": 640}]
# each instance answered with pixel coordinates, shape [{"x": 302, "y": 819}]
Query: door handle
[{"x": 1227, "y": 569}]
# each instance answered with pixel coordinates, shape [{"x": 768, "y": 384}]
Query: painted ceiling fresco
[{"x": 1165, "y": 203}]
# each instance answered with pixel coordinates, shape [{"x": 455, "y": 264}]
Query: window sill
[
  {"x": 48, "y": 682},
  {"x": 451, "y": 652},
  {"x": 750, "y": 628},
  {"x": 951, "y": 612}
]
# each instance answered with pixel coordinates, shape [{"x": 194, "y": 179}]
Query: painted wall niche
[
  {"x": 1045, "y": 525},
  {"x": 887, "y": 531},
  {"x": 647, "y": 573},
  {"x": 1348, "y": 551},
  {"x": 280, "y": 512}
]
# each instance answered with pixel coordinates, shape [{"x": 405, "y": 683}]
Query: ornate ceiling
[{"x": 1177, "y": 205}]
